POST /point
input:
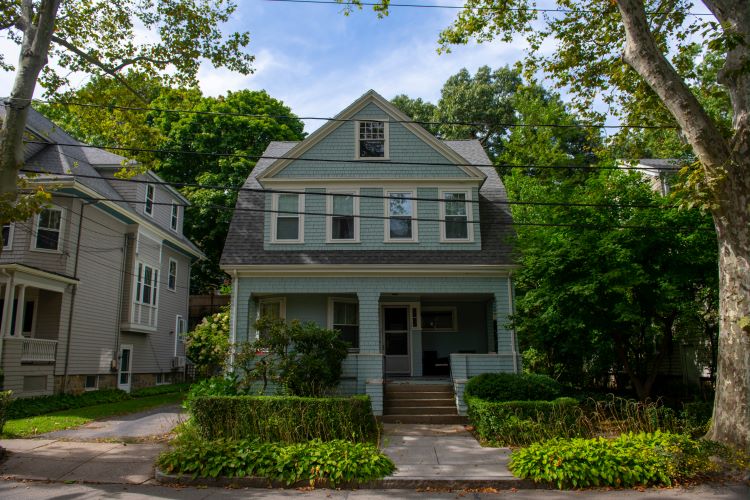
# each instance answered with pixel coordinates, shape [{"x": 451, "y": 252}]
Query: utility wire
[
  {"x": 350, "y": 162},
  {"x": 7, "y": 102}
]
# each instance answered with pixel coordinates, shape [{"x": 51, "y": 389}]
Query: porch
[{"x": 31, "y": 317}]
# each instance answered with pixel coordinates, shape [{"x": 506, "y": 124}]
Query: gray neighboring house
[{"x": 94, "y": 289}]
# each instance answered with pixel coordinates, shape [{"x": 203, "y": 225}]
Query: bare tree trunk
[{"x": 37, "y": 32}]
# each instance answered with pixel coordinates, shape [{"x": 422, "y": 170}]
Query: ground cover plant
[
  {"x": 513, "y": 387},
  {"x": 29, "y": 407},
  {"x": 314, "y": 462},
  {"x": 5, "y": 401},
  {"x": 645, "y": 459},
  {"x": 67, "y": 419},
  {"x": 161, "y": 389}
]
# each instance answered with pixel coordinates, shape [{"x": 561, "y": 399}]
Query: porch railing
[{"x": 38, "y": 351}]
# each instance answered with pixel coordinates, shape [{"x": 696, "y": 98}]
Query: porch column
[
  {"x": 20, "y": 310},
  {"x": 507, "y": 346},
  {"x": 370, "y": 357},
  {"x": 10, "y": 288}
]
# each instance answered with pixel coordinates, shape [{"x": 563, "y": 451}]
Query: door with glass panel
[
  {"x": 396, "y": 340},
  {"x": 125, "y": 368}
]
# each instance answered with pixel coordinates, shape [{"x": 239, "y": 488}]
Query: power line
[
  {"x": 460, "y": 7},
  {"x": 334, "y": 119},
  {"x": 353, "y": 194},
  {"x": 349, "y": 162}
]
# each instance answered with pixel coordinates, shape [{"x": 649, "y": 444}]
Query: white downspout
[
  {"x": 9, "y": 287},
  {"x": 511, "y": 310},
  {"x": 233, "y": 319}
]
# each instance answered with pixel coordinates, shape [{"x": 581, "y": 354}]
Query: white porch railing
[{"x": 38, "y": 351}]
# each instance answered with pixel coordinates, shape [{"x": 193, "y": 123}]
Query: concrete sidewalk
[
  {"x": 443, "y": 456},
  {"x": 47, "y": 459}
]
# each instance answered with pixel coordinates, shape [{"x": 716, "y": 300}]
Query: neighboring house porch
[
  {"x": 31, "y": 321},
  {"x": 397, "y": 326}
]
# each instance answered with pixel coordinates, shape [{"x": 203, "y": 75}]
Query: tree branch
[
  {"x": 128, "y": 62},
  {"x": 645, "y": 57},
  {"x": 99, "y": 64}
]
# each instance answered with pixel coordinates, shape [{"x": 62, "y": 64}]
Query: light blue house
[{"x": 399, "y": 240}]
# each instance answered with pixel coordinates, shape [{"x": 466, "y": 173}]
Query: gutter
[{"x": 512, "y": 310}]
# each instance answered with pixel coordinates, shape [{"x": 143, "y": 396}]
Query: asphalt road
[{"x": 60, "y": 491}]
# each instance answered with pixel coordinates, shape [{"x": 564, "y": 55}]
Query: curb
[{"x": 388, "y": 483}]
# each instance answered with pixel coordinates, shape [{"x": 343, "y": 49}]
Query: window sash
[
  {"x": 455, "y": 216},
  {"x": 400, "y": 213},
  {"x": 343, "y": 217},
  {"x": 345, "y": 319},
  {"x": 287, "y": 224},
  {"x": 149, "y": 205},
  {"x": 372, "y": 139},
  {"x": 175, "y": 217},
  {"x": 147, "y": 285},
  {"x": 7, "y": 236},
  {"x": 172, "y": 278},
  {"x": 49, "y": 222}
]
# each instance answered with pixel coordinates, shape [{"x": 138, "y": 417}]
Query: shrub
[
  {"x": 614, "y": 415},
  {"x": 207, "y": 345},
  {"x": 334, "y": 462},
  {"x": 632, "y": 459},
  {"x": 518, "y": 423},
  {"x": 287, "y": 419},
  {"x": 5, "y": 402},
  {"x": 696, "y": 418},
  {"x": 214, "y": 386},
  {"x": 160, "y": 389},
  {"x": 30, "y": 407},
  {"x": 305, "y": 359},
  {"x": 513, "y": 387}
]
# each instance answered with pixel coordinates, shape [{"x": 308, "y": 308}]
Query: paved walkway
[
  {"x": 48, "y": 459},
  {"x": 154, "y": 422},
  {"x": 448, "y": 453}
]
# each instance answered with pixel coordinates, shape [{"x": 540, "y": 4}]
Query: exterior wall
[
  {"x": 471, "y": 334},
  {"x": 17, "y": 375},
  {"x": 372, "y": 230}
]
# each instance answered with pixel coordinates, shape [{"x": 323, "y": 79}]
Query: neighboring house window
[
  {"x": 288, "y": 221},
  {"x": 148, "y": 207},
  {"x": 92, "y": 382},
  {"x": 372, "y": 139},
  {"x": 160, "y": 379},
  {"x": 439, "y": 319},
  {"x": 401, "y": 211},
  {"x": 7, "y": 236},
  {"x": 175, "y": 216},
  {"x": 180, "y": 328},
  {"x": 343, "y": 315},
  {"x": 146, "y": 291},
  {"x": 343, "y": 224},
  {"x": 455, "y": 212},
  {"x": 172, "y": 277},
  {"x": 48, "y": 227}
]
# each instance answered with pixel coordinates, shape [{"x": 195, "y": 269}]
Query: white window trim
[
  {"x": 329, "y": 319},
  {"x": 454, "y": 314},
  {"x": 329, "y": 218},
  {"x": 60, "y": 237},
  {"x": 271, "y": 300},
  {"x": 275, "y": 214},
  {"x": 179, "y": 332},
  {"x": 7, "y": 245},
  {"x": 146, "y": 200},
  {"x": 386, "y": 144},
  {"x": 174, "y": 217},
  {"x": 155, "y": 285},
  {"x": 412, "y": 193},
  {"x": 469, "y": 217},
  {"x": 169, "y": 271},
  {"x": 96, "y": 384},
  {"x": 163, "y": 379}
]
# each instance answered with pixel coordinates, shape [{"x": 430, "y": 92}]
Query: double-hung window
[
  {"x": 400, "y": 225},
  {"x": 273, "y": 308},
  {"x": 172, "y": 277},
  {"x": 343, "y": 315},
  {"x": 343, "y": 221},
  {"x": 372, "y": 139},
  {"x": 48, "y": 228},
  {"x": 455, "y": 212},
  {"x": 173, "y": 223},
  {"x": 7, "y": 236},
  {"x": 146, "y": 291},
  {"x": 180, "y": 328},
  {"x": 148, "y": 206},
  {"x": 288, "y": 219}
]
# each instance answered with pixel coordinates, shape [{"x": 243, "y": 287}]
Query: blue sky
[{"x": 318, "y": 60}]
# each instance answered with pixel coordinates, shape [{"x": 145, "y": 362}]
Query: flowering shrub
[{"x": 208, "y": 345}]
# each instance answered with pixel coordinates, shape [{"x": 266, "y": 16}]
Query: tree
[
  {"x": 628, "y": 52},
  {"x": 100, "y": 37},
  {"x": 419, "y": 111}
]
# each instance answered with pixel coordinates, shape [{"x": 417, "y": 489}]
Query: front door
[
  {"x": 396, "y": 338},
  {"x": 126, "y": 362}
]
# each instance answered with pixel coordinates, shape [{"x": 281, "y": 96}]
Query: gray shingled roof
[{"x": 244, "y": 244}]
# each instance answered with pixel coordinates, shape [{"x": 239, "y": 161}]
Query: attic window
[{"x": 372, "y": 139}]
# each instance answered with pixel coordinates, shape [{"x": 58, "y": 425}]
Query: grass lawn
[{"x": 28, "y": 427}]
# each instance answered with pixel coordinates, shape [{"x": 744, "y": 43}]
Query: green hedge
[
  {"x": 518, "y": 423},
  {"x": 31, "y": 407},
  {"x": 630, "y": 460},
  {"x": 5, "y": 402},
  {"x": 513, "y": 387},
  {"x": 160, "y": 389},
  {"x": 285, "y": 419},
  {"x": 334, "y": 462}
]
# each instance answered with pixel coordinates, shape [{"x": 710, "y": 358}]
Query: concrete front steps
[{"x": 415, "y": 402}]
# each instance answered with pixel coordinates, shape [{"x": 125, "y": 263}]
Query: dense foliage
[
  {"x": 513, "y": 387},
  {"x": 287, "y": 419},
  {"x": 330, "y": 463},
  {"x": 302, "y": 358},
  {"x": 5, "y": 402},
  {"x": 160, "y": 389},
  {"x": 645, "y": 459},
  {"x": 29, "y": 407},
  {"x": 207, "y": 345}
]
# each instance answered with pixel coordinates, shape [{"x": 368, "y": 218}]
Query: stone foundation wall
[{"x": 77, "y": 383}]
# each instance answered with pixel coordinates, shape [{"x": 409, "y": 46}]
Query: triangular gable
[{"x": 353, "y": 110}]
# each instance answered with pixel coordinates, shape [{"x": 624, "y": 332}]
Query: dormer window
[{"x": 372, "y": 139}]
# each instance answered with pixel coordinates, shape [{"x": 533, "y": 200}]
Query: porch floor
[{"x": 396, "y": 379}]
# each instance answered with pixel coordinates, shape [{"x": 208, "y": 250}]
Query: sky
[{"x": 317, "y": 60}]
